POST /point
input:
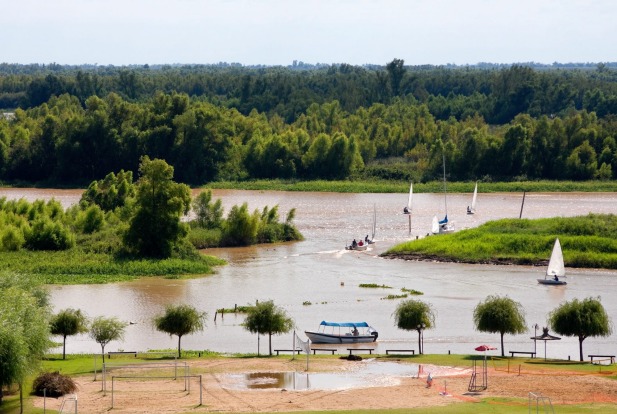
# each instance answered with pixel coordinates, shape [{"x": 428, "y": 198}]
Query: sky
[{"x": 277, "y": 32}]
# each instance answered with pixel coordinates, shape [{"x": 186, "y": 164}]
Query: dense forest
[{"x": 74, "y": 124}]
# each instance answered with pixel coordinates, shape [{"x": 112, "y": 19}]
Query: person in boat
[
  {"x": 468, "y": 209},
  {"x": 360, "y": 243},
  {"x": 366, "y": 239},
  {"x": 355, "y": 331},
  {"x": 354, "y": 243},
  {"x": 556, "y": 278},
  {"x": 406, "y": 210}
]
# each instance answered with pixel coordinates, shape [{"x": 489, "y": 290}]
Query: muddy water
[{"x": 317, "y": 279}]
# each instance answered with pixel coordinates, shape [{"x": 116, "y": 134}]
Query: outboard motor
[{"x": 375, "y": 334}]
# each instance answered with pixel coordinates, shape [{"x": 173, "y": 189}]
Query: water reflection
[{"x": 371, "y": 374}]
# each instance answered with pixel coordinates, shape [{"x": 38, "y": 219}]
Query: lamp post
[
  {"x": 421, "y": 327},
  {"x": 535, "y": 335}
]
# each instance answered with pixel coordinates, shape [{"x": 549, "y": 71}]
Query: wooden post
[{"x": 522, "y": 204}]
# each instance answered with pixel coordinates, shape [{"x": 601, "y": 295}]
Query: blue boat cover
[
  {"x": 346, "y": 324},
  {"x": 444, "y": 221}
]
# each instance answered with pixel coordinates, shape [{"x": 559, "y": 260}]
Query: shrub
[
  {"x": 55, "y": 384},
  {"x": 48, "y": 235},
  {"x": 203, "y": 238},
  {"x": 12, "y": 239}
]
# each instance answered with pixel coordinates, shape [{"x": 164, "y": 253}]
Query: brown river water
[{"x": 319, "y": 270}]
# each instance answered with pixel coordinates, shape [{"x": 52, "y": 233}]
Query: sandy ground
[{"x": 222, "y": 393}]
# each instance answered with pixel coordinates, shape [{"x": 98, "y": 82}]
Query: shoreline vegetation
[
  {"x": 587, "y": 242},
  {"x": 379, "y": 186},
  {"x": 397, "y": 186}
]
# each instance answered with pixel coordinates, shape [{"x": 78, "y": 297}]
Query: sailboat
[
  {"x": 472, "y": 209},
  {"x": 556, "y": 270},
  {"x": 372, "y": 239},
  {"x": 443, "y": 226},
  {"x": 407, "y": 209}
]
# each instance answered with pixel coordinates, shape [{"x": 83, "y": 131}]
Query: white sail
[
  {"x": 472, "y": 208},
  {"x": 374, "y": 223},
  {"x": 410, "y": 196},
  {"x": 435, "y": 225},
  {"x": 555, "y": 264}
]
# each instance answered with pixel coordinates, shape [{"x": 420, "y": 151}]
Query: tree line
[
  {"x": 495, "y": 92},
  {"x": 62, "y": 141}
]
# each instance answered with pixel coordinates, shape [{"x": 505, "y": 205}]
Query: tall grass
[
  {"x": 383, "y": 186},
  {"x": 77, "y": 267},
  {"x": 587, "y": 241}
]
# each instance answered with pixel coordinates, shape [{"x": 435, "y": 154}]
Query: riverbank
[
  {"x": 587, "y": 242},
  {"x": 577, "y": 388},
  {"x": 374, "y": 186}
]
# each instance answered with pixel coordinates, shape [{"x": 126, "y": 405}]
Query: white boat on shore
[{"x": 342, "y": 333}]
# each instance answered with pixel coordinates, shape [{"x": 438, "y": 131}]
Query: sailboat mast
[{"x": 445, "y": 192}]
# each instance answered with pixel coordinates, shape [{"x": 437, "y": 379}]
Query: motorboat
[
  {"x": 342, "y": 333},
  {"x": 361, "y": 245}
]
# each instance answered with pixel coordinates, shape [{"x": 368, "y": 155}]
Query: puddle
[{"x": 363, "y": 375}]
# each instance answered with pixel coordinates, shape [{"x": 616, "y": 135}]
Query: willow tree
[
  {"x": 68, "y": 322},
  {"x": 24, "y": 332},
  {"x": 180, "y": 320},
  {"x": 582, "y": 319},
  {"x": 104, "y": 330},
  {"x": 267, "y": 318},
  {"x": 500, "y": 314},
  {"x": 415, "y": 315}
]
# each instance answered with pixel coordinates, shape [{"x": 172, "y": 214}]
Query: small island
[
  {"x": 122, "y": 230},
  {"x": 588, "y": 242}
]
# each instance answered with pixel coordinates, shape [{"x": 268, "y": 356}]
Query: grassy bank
[
  {"x": 77, "y": 267},
  {"x": 373, "y": 186},
  {"x": 587, "y": 241}
]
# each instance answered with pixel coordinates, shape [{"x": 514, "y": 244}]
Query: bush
[
  {"x": 48, "y": 235},
  {"x": 12, "y": 239},
  {"x": 55, "y": 384},
  {"x": 203, "y": 238}
]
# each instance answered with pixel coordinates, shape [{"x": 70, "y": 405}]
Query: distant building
[{"x": 8, "y": 115}]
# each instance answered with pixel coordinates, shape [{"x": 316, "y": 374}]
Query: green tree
[
  {"x": 180, "y": 320},
  {"x": 581, "y": 318},
  {"x": 582, "y": 163},
  {"x": 209, "y": 215},
  {"x": 240, "y": 228},
  {"x": 68, "y": 322},
  {"x": 111, "y": 192},
  {"x": 104, "y": 330},
  {"x": 396, "y": 72},
  {"x": 414, "y": 314},
  {"x": 267, "y": 318},
  {"x": 499, "y": 314},
  {"x": 155, "y": 227},
  {"x": 24, "y": 330}
]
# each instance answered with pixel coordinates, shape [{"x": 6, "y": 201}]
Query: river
[{"x": 321, "y": 272}]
